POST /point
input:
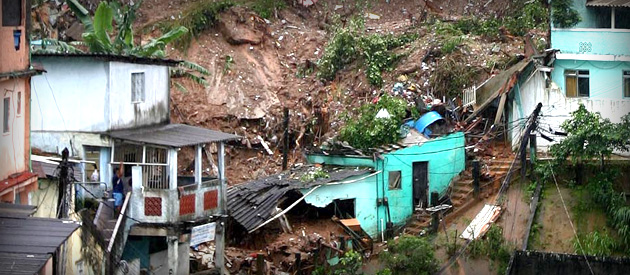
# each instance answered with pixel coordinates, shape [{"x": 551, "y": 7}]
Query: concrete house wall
[
  {"x": 14, "y": 144},
  {"x": 604, "y": 52},
  {"x": 445, "y": 157}
]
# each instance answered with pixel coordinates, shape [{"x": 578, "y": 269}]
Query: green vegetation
[
  {"x": 267, "y": 8},
  {"x": 590, "y": 137},
  {"x": 409, "y": 255},
  {"x": 348, "y": 44},
  {"x": 310, "y": 176},
  {"x": 101, "y": 36},
  {"x": 494, "y": 246},
  {"x": 451, "y": 77},
  {"x": 563, "y": 14},
  {"x": 365, "y": 131},
  {"x": 197, "y": 18},
  {"x": 595, "y": 243},
  {"x": 531, "y": 16},
  {"x": 349, "y": 264}
]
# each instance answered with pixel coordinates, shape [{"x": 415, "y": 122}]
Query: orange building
[{"x": 16, "y": 179}]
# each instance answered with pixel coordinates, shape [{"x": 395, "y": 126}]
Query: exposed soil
[{"x": 250, "y": 83}]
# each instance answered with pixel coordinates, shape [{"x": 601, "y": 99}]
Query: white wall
[
  {"x": 557, "y": 108},
  {"x": 155, "y": 108},
  {"x": 12, "y": 150},
  {"x": 70, "y": 96}
]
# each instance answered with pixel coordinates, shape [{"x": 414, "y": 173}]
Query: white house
[{"x": 86, "y": 95}]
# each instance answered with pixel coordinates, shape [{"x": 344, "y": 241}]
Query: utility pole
[
  {"x": 219, "y": 260},
  {"x": 63, "y": 206}
]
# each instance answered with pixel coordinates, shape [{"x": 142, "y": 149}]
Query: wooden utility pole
[{"x": 523, "y": 146}]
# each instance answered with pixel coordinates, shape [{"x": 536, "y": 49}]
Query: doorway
[{"x": 420, "y": 184}]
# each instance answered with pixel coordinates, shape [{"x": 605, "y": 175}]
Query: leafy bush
[
  {"x": 365, "y": 131},
  {"x": 595, "y": 243},
  {"x": 531, "y": 16},
  {"x": 347, "y": 44},
  {"x": 340, "y": 51},
  {"x": 494, "y": 246},
  {"x": 349, "y": 264},
  {"x": 563, "y": 15},
  {"x": 410, "y": 255},
  {"x": 313, "y": 175}
]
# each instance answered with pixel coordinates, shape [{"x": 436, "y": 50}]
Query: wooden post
[
  {"x": 435, "y": 197},
  {"x": 260, "y": 264},
  {"x": 342, "y": 243},
  {"x": 285, "y": 147},
  {"x": 435, "y": 223},
  {"x": 298, "y": 263},
  {"x": 476, "y": 173}
]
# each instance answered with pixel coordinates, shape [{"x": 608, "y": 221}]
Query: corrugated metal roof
[
  {"x": 609, "y": 3},
  {"x": 172, "y": 135},
  {"x": 47, "y": 168},
  {"x": 253, "y": 203},
  {"x": 26, "y": 243},
  {"x": 114, "y": 57},
  {"x": 16, "y": 210}
]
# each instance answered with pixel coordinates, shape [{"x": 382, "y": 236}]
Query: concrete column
[
  {"x": 136, "y": 201},
  {"x": 173, "y": 253},
  {"x": 220, "y": 229},
  {"x": 198, "y": 164},
  {"x": 172, "y": 168},
  {"x": 198, "y": 180}
]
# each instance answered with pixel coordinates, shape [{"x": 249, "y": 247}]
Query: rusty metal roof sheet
[
  {"x": 172, "y": 135},
  {"x": 253, "y": 203},
  {"x": 113, "y": 57},
  {"x": 27, "y": 243},
  {"x": 609, "y": 3}
]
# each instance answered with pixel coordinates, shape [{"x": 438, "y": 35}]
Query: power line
[
  {"x": 55, "y": 100},
  {"x": 569, "y": 217}
]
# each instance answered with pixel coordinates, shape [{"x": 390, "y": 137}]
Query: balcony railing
[{"x": 186, "y": 203}]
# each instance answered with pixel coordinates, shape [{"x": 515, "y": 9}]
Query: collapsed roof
[{"x": 253, "y": 203}]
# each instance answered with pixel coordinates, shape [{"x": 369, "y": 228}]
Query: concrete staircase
[{"x": 462, "y": 191}]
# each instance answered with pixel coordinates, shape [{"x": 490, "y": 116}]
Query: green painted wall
[{"x": 446, "y": 157}]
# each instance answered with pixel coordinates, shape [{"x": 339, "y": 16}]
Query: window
[
  {"x": 622, "y": 18},
  {"x": 137, "y": 87},
  {"x": 577, "y": 83},
  {"x": 394, "y": 180},
  {"x": 11, "y": 13},
  {"x": 19, "y": 103},
  {"x": 6, "y": 112},
  {"x": 626, "y": 83}
]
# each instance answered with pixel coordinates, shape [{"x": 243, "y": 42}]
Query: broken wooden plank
[{"x": 497, "y": 118}]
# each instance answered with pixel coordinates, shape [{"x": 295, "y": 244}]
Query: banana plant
[{"x": 99, "y": 30}]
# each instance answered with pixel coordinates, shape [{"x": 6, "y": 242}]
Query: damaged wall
[
  {"x": 605, "y": 90},
  {"x": 153, "y": 109},
  {"x": 445, "y": 155}
]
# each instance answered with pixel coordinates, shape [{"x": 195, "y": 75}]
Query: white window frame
[
  {"x": 576, "y": 73},
  {"x": 134, "y": 99}
]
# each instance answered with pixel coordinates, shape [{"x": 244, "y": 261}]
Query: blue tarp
[{"x": 427, "y": 119}]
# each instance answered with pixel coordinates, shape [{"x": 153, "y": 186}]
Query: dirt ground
[
  {"x": 250, "y": 84},
  {"x": 513, "y": 220}
]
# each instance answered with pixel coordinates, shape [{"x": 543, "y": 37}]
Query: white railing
[{"x": 470, "y": 96}]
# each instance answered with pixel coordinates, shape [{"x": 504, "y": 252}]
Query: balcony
[
  {"x": 588, "y": 42},
  {"x": 158, "y": 194}
]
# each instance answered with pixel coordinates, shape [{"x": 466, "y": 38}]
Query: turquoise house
[
  {"x": 403, "y": 180},
  {"x": 593, "y": 62}
]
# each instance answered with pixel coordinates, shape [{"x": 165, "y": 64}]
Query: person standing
[
  {"x": 95, "y": 177},
  {"x": 118, "y": 187}
]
